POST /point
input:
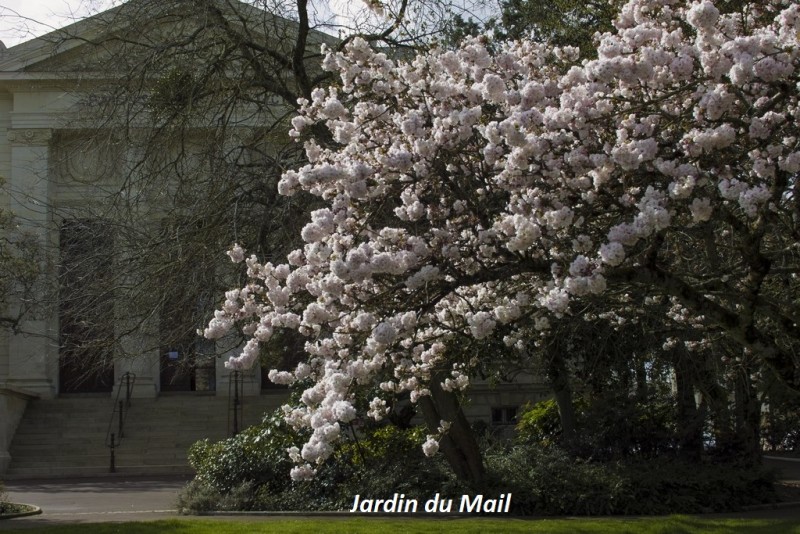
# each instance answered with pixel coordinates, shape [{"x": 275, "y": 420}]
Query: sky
[{"x": 21, "y": 20}]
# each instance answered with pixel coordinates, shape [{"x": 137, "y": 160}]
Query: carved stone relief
[
  {"x": 31, "y": 136},
  {"x": 87, "y": 160}
]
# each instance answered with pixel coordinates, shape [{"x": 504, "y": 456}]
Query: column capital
[{"x": 30, "y": 136}]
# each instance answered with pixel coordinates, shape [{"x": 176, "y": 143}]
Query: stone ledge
[{"x": 14, "y": 391}]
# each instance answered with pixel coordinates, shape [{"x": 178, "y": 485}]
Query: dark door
[
  {"x": 177, "y": 370},
  {"x": 86, "y": 307}
]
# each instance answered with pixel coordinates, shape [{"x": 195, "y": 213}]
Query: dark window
[{"x": 504, "y": 415}]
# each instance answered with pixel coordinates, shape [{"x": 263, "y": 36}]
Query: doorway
[{"x": 86, "y": 307}]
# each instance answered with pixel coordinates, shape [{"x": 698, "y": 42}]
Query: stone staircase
[{"x": 65, "y": 437}]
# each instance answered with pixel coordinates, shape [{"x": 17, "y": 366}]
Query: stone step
[
  {"x": 96, "y": 471},
  {"x": 45, "y": 455},
  {"x": 101, "y": 459},
  {"x": 40, "y": 437},
  {"x": 66, "y": 436}
]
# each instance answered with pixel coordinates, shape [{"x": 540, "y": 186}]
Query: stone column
[
  {"x": 137, "y": 337},
  {"x": 33, "y": 352}
]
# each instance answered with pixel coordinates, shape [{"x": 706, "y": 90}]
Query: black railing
[
  {"x": 118, "y": 413},
  {"x": 235, "y": 396}
]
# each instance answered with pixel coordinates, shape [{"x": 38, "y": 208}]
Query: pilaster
[{"x": 33, "y": 351}]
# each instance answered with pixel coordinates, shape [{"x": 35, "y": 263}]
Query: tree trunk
[
  {"x": 458, "y": 445},
  {"x": 690, "y": 423},
  {"x": 748, "y": 418},
  {"x": 559, "y": 379}
]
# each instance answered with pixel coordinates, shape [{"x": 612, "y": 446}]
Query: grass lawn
[{"x": 657, "y": 525}]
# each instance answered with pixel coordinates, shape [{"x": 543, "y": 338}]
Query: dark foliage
[{"x": 550, "y": 481}]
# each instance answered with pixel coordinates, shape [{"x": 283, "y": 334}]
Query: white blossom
[
  {"x": 492, "y": 190},
  {"x": 431, "y": 446}
]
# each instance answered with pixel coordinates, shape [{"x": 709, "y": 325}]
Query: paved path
[
  {"x": 70, "y": 501},
  {"x": 109, "y": 499},
  {"x": 788, "y": 468}
]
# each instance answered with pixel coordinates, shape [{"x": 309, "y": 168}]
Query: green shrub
[
  {"x": 251, "y": 470},
  {"x": 389, "y": 460},
  {"x": 672, "y": 486},
  {"x": 198, "y": 496},
  {"x": 780, "y": 428},
  {"x": 232, "y": 473},
  {"x": 539, "y": 423},
  {"x": 550, "y": 481},
  {"x": 257, "y": 455},
  {"x": 379, "y": 444},
  {"x": 608, "y": 429},
  {"x": 378, "y": 462}
]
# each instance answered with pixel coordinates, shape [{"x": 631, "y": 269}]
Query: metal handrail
[
  {"x": 235, "y": 396},
  {"x": 113, "y": 440}
]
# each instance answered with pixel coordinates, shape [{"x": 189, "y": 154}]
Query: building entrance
[
  {"x": 86, "y": 307},
  {"x": 181, "y": 370}
]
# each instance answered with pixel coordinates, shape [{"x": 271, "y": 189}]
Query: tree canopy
[{"x": 481, "y": 194}]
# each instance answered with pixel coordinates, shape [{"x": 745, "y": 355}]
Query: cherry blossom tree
[{"x": 480, "y": 194}]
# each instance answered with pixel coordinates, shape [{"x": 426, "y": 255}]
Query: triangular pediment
[
  {"x": 56, "y": 46},
  {"x": 101, "y": 43}
]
